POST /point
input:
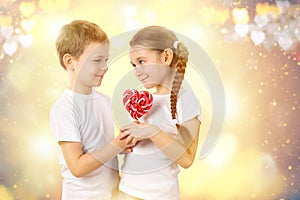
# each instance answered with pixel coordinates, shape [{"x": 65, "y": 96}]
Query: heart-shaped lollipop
[{"x": 137, "y": 103}]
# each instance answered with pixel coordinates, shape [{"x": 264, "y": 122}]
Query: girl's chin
[{"x": 149, "y": 85}]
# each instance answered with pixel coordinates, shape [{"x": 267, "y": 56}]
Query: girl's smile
[{"x": 150, "y": 70}]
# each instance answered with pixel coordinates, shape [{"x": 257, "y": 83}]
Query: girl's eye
[{"x": 140, "y": 62}]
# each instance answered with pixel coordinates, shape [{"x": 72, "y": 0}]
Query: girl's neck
[{"x": 160, "y": 90}]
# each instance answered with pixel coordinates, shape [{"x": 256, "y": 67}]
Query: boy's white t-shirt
[
  {"x": 86, "y": 119},
  {"x": 147, "y": 172}
]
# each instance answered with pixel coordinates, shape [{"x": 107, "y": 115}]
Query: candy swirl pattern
[{"x": 137, "y": 103}]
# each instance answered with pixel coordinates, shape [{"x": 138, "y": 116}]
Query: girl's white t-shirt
[
  {"x": 86, "y": 119},
  {"x": 147, "y": 172}
]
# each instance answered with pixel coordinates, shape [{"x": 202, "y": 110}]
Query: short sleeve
[
  {"x": 63, "y": 124},
  {"x": 188, "y": 107}
]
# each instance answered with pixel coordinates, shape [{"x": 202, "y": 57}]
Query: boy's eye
[
  {"x": 141, "y": 62},
  {"x": 100, "y": 60}
]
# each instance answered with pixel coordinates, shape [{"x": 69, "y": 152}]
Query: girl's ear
[
  {"x": 167, "y": 56},
  {"x": 68, "y": 61}
]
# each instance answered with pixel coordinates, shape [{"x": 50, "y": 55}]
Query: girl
[{"x": 168, "y": 133}]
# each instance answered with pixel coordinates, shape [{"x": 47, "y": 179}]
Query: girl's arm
[
  {"x": 181, "y": 149},
  {"x": 80, "y": 163}
]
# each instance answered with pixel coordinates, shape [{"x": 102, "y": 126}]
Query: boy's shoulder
[
  {"x": 101, "y": 95},
  {"x": 62, "y": 102}
]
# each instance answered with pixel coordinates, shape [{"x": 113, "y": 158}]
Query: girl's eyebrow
[{"x": 139, "y": 58}]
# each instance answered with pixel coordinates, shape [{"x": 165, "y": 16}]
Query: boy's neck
[{"x": 81, "y": 90}]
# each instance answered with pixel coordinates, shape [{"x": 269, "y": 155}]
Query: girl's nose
[{"x": 138, "y": 71}]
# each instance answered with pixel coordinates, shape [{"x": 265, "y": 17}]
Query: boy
[{"x": 81, "y": 119}]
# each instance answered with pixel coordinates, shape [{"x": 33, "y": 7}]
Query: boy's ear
[
  {"x": 68, "y": 61},
  {"x": 167, "y": 56}
]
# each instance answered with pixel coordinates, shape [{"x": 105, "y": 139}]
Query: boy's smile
[{"x": 91, "y": 67}]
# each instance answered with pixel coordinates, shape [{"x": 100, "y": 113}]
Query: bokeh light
[{"x": 254, "y": 44}]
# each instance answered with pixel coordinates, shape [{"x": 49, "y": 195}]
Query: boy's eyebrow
[
  {"x": 97, "y": 56},
  {"x": 94, "y": 57}
]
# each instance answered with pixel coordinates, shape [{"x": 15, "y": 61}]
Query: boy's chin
[{"x": 98, "y": 83}]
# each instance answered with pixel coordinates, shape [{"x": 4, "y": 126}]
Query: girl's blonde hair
[
  {"x": 160, "y": 38},
  {"x": 76, "y": 36}
]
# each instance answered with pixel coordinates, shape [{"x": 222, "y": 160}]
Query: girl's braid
[{"x": 179, "y": 62}]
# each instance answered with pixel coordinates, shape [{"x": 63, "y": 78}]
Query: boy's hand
[
  {"x": 127, "y": 150},
  {"x": 125, "y": 141}
]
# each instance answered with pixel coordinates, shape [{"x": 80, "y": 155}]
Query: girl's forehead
[{"x": 140, "y": 50}]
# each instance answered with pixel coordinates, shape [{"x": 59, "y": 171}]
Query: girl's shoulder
[{"x": 186, "y": 94}]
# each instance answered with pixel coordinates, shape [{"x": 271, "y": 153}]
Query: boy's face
[{"x": 92, "y": 65}]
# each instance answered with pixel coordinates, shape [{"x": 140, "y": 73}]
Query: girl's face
[
  {"x": 151, "y": 70},
  {"x": 91, "y": 66}
]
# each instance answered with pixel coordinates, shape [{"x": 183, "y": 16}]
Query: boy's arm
[{"x": 80, "y": 163}]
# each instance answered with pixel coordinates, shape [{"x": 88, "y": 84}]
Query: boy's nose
[{"x": 104, "y": 68}]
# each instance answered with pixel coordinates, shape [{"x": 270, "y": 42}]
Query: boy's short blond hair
[{"x": 76, "y": 36}]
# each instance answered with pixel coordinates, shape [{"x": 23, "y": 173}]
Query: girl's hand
[{"x": 140, "y": 131}]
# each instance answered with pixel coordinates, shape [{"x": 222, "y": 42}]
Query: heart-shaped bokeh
[
  {"x": 25, "y": 40},
  {"x": 27, "y": 25},
  {"x": 257, "y": 37},
  {"x": 137, "y": 103},
  {"x": 261, "y": 20},
  {"x": 27, "y": 8},
  {"x": 241, "y": 29},
  {"x": 240, "y": 15},
  {"x": 6, "y": 31},
  {"x": 10, "y": 47}
]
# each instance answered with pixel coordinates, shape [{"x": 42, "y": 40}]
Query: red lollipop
[{"x": 137, "y": 103}]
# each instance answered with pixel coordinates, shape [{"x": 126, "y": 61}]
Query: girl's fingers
[
  {"x": 125, "y": 127},
  {"x": 123, "y": 135}
]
